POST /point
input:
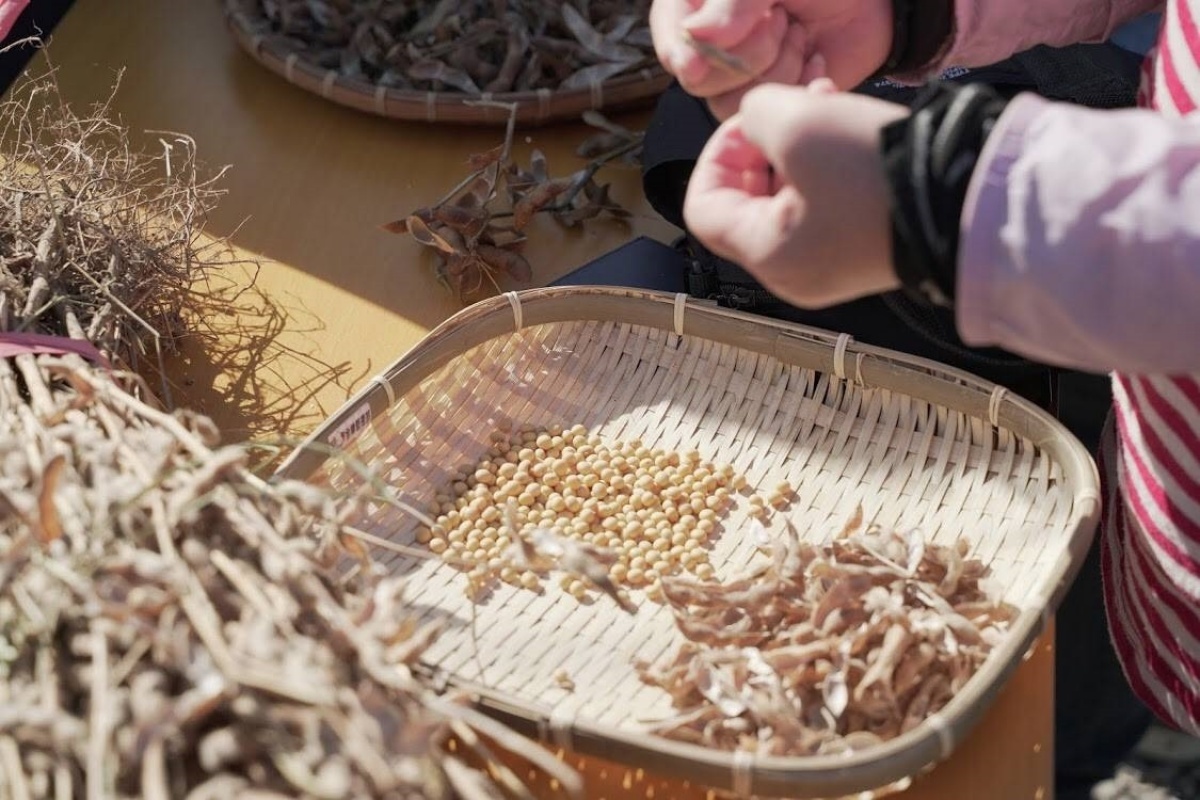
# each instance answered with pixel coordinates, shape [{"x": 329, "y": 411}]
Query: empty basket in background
[{"x": 915, "y": 443}]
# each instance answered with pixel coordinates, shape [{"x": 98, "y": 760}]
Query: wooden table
[{"x": 336, "y": 299}]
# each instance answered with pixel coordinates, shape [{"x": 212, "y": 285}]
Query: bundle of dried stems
[
  {"x": 171, "y": 625},
  {"x": 99, "y": 241}
]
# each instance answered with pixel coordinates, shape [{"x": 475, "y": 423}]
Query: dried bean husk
[
  {"x": 460, "y": 47},
  {"x": 826, "y": 649},
  {"x": 477, "y": 231}
]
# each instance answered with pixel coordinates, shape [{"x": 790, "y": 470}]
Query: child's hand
[
  {"x": 793, "y": 189},
  {"x": 790, "y": 42}
]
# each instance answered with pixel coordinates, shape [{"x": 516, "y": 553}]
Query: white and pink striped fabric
[{"x": 1151, "y": 532}]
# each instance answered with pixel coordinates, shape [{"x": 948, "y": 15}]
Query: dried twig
[
  {"x": 102, "y": 240},
  {"x": 718, "y": 57}
]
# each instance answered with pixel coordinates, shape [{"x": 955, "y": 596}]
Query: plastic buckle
[
  {"x": 740, "y": 299},
  {"x": 701, "y": 282}
]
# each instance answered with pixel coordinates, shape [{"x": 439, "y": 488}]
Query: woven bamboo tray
[
  {"x": 915, "y": 443},
  {"x": 540, "y": 107}
]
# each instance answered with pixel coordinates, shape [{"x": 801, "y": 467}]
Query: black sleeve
[{"x": 921, "y": 30}]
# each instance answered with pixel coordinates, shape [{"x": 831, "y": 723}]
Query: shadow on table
[{"x": 236, "y": 367}]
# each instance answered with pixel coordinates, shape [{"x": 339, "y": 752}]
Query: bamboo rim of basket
[
  {"x": 624, "y": 92},
  {"x": 814, "y": 776}
]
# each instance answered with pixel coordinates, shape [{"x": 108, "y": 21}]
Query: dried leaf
[
  {"x": 599, "y": 144},
  {"x": 469, "y": 222},
  {"x": 49, "y": 522},
  {"x": 439, "y": 72},
  {"x": 718, "y": 57},
  {"x": 835, "y": 693},
  {"x": 426, "y": 236},
  {"x": 514, "y": 57},
  {"x": 597, "y": 120},
  {"x": 487, "y": 158},
  {"x": 594, "y": 75},
  {"x": 514, "y": 264},
  {"x": 537, "y": 199},
  {"x": 596, "y": 43},
  {"x": 538, "y": 169},
  {"x": 502, "y": 236}
]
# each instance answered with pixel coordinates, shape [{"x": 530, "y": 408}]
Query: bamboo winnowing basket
[{"x": 915, "y": 443}]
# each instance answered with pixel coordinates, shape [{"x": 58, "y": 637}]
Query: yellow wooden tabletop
[
  {"x": 335, "y": 299},
  {"x": 310, "y": 185}
]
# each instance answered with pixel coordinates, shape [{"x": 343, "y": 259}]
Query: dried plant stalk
[
  {"x": 172, "y": 626},
  {"x": 101, "y": 241},
  {"x": 718, "y": 57}
]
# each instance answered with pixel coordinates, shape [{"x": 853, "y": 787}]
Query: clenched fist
[{"x": 793, "y": 189}]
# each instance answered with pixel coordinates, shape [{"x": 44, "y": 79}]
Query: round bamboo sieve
[
  {"x": 915, "y": 443},
  {"x": 624, "y": 92}
]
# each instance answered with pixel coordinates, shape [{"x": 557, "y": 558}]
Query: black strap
[
  {"x": 929, "y": 157},
  {"x": 921, "y": 30},
  {"x": 677, "y": 132}
]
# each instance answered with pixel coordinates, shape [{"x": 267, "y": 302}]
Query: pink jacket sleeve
[
  {"x": 987, "y": 31},
  {"x": 9, "y": 11},
  {"x": 1081, "y": 242}
]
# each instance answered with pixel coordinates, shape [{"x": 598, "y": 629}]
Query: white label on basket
[{"x": 348, "y": 430}]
